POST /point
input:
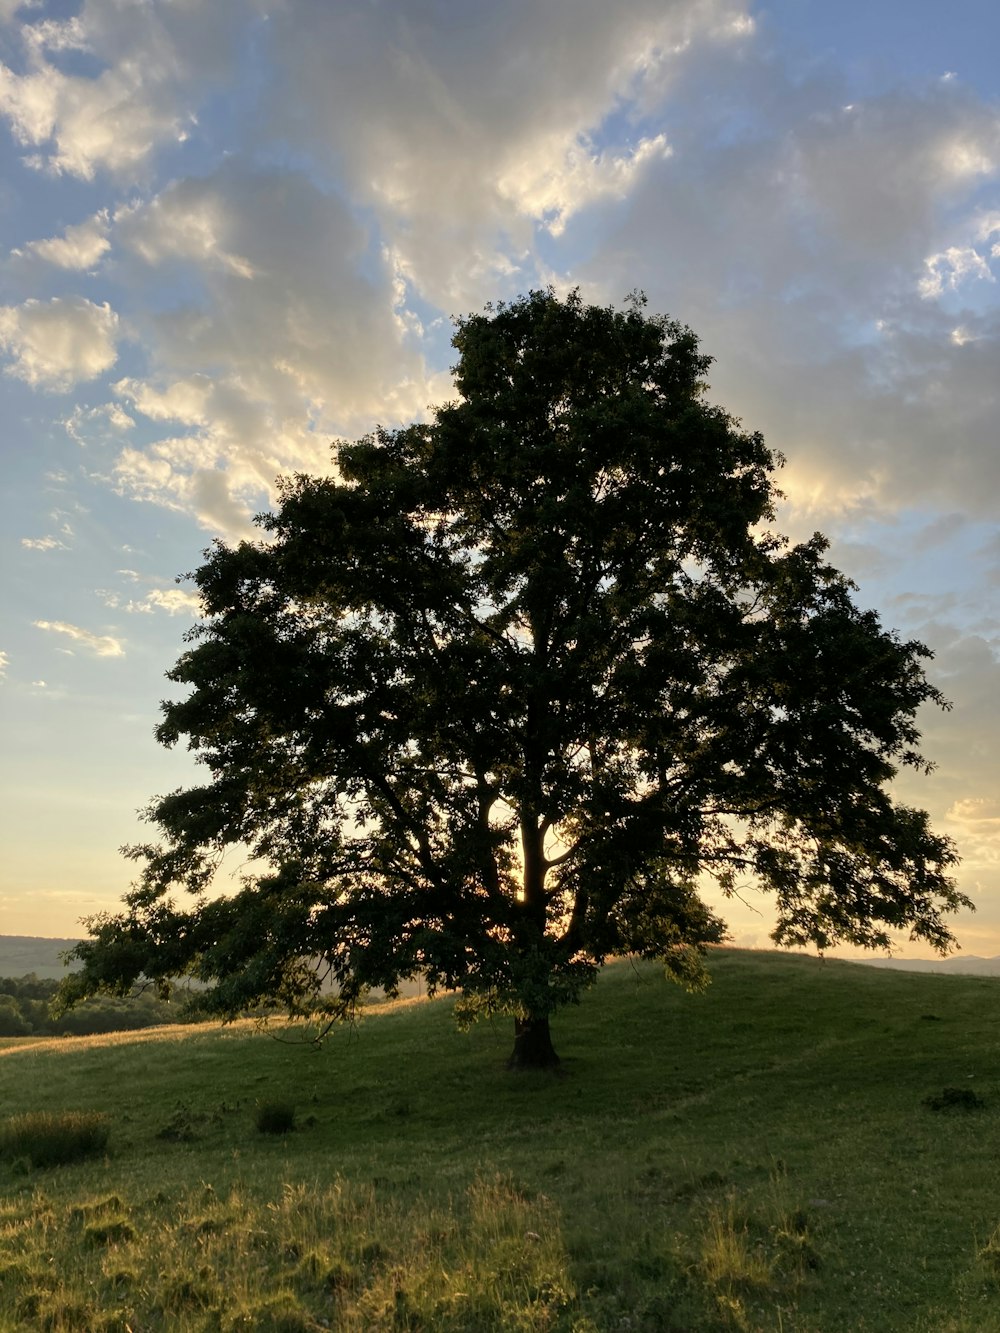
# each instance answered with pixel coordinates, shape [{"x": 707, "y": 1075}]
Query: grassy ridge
[
  {"x": 21, "y": 954},
  {"x": 757, "y": 1157}
]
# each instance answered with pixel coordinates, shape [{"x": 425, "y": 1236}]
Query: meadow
[{"x": 808, "y": 1145}]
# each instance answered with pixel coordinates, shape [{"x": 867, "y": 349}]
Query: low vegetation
[
  {"x": 53, "y": 1138},
  {"x": 275, "y": 1117},
  {"x": 790, "y": 1150},
  {"x": 26, "y": 1010}
]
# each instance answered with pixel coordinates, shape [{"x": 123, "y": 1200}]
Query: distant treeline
[{"x": 25, "y": 1010}]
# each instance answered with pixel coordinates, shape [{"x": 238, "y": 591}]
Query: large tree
[{"x": 498, "y": 698}]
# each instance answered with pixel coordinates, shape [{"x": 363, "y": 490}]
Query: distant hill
[
  {"x": 21, "y": 954},
  {"x": 965, "y": 965}
]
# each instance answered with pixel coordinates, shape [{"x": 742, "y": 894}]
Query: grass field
[{"x": 759, "y": 1157}]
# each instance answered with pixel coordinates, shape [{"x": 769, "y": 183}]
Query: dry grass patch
[{"x": 53, "y": 1138}]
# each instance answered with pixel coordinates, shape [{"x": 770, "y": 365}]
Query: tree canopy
[{"x": 498, "y": 698}]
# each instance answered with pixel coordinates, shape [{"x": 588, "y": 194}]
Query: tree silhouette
[{"x": 494, "y": 701}]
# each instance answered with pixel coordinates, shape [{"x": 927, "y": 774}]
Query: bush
[
  {"x": 114, "y": 1231},
  {"x": 275, "y": 1117},
  {"x": 955, "y": 1099},
  {"x": 54, "y": 1138},
  {"x": 12, "y": 1021}
]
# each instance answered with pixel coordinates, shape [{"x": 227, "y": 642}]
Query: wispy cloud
[
  {"x": 60, "y": 342},
  {"x": 976, "y": 810},
  {"x": 102, "y": 645},
  {"x": 79, "y": 123},
  {"x": 79, "y": 247},
  {"x": 86, "y": 424},
  {"x": 43, "y": 544},
  {"x": 174, "y": 601},
  {"x": 946, "y": 271}
]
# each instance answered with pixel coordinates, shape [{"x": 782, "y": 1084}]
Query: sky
[{"x": 233, "y": 232}]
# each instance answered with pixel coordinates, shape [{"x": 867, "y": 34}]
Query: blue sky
[{"x": 231, "y": 233}]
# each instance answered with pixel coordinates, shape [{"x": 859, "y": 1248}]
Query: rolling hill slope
[
  {"x": 21, "y": 954},
  {"x": 764, "y": 1155}
]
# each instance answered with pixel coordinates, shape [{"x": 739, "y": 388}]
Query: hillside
[
  {"x": 960, "y": 965},
  {"x": 764, "y": 1155},
  {"x": 22, "y": 954}
]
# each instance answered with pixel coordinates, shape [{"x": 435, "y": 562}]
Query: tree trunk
[{"x": 533, "y": 1047}]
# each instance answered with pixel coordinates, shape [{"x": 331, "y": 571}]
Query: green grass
[
  {"x": 765, "y": 1156},
  {"x": 53, "y": 1138}
]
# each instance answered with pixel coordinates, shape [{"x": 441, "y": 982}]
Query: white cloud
[
  {"x": 945, "y": 271},
  {"x": 308, "y": 336},
  {"x": 459, "y": 167},
  {"x": 183, "y": 401},
  {"x": 562, "y": 180},
  {"x": 489, "y": 134},
  {"x": 8, "y": 8},
  {"x": 494, "y": 124},
  {"x": 57, "y": 343},
  {"x": 112, "y": 121},
  {"x": 976, "y": 810},
  {"x": 170, "y": 473},
  {"x": 86, "y": 423},
  {"x": 79, "y": 247},
  {"x": 155, "y": 63},
  {"x": 967, "y": 156},
  {"x": 188, "y": 222},
  {"x": 144, "y": 476},
  {"x": 790, "y": 235},
  {"x": 285, "y": 332},
  {"x": 736, "y": 25},
  {"x": 4, "y": 664},
  {"x": 175, "y": 601},
  {"x": 308, "y": 349},
  {"x": 434, "y": 155},
  {"x": 868, "y": 186},
  {"x": 102, "y": 645},
  {"x": 44, "y": 544}
]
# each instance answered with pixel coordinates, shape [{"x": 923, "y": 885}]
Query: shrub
[
  {"x": 183, "y": 1126},
  {"x": 114, "y": 1231},
  {"x": 733, "y": 1255},
  {"x": 54, "y": 1138},
  {"x": 275, "y": 1117},
  {"x": 87, "y": 1212},
  {"x": 955, "y": 1099},
  {"x": 193, "y": 1292}
]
